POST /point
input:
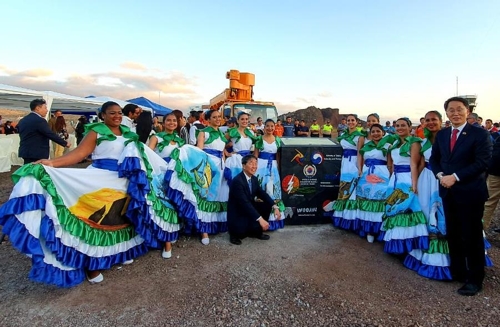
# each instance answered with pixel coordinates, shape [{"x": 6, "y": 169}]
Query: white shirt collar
[
  {"x": 460, "y": 128},
  {"x": 248, "y": 177}
]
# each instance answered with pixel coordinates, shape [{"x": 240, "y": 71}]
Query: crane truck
[{"x": 239, "y": 97}]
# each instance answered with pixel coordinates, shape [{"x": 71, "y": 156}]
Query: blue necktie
[{"x": 250, "y": 184}]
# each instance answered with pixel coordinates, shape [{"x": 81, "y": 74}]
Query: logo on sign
[
  {"x": 299, "y": 158},
  {"x": 290, "y": 184},
  {"x": 317, "y": 158},
  {"x": 309, "y": 170}
]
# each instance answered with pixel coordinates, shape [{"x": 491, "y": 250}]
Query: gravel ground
[{"x": 302, "y": 276}]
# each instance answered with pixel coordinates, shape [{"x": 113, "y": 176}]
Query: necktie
[
  {"x": 250, "y": 184},
  {"x": 454, "y": 136}
]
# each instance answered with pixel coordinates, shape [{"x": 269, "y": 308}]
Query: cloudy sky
[{"x": 394, "y": 57}]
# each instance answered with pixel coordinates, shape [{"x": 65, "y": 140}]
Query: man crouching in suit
[
  {"x": 459, "y": 159},
  {"x": 247, "y": 205}
]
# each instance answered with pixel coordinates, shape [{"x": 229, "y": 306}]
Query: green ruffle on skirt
[
  {"x": 68, "y": 221},
  {"x": 341, "y": 205},
  {"x": 371, "y": 205},
  {"x": 438, "y": 245},
  {"x": 404, "y": 220}
]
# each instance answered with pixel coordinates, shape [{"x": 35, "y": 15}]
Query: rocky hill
[{"x": 321, "y": 114}]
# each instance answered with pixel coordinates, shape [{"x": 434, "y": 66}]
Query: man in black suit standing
[
  {"x": 459, "y": 160},
  {"x": 247, "y": 205},
  {"x": 35, "y": 133}
]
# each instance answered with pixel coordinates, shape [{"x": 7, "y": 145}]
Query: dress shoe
[
  {"x": 469, "y": 289},
  {"x": 96, "y": 280},
  {"x": 166, "y": 254},
  {"x": 235, "y": 241},
  {"x": 263, "y": 237}
]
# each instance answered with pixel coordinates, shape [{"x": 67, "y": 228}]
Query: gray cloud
[{"x": 174, "y": 89}]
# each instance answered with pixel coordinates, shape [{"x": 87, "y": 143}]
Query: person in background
[
  {"x": 459, "y": 160},
  {"x": 181, "y": 126},
  {"x": 447, "y": 123},
  {"x": 489, "y": 126},
  {"x": 326, "y": 130},
  {"x": 493, "y": 183},
  {"x": 288, "y": 128},
  {"x": 480, "y": 121},
  {"x": 9, "y": 129},
  {"x": 315, "y": 129},
  {"x": 157, "y": 127},
  {"x": 62, "y": 132},
  {"x": 388, "y": 129},
  {"x": 230, "y": 123},
  {"x": 195, "y": 124},
  {"x": 52, "y": 120},
  {"x": 144, "y": 126},
  {"x": 80, "y": 129},
  {"x": 259, "y": 128},
  {"x": 296, "y": 127},
  {"x": 1, "y": 126},
  {"x": 130, "y": 113},
  {"x": 419, "y": 131},
  {"x": 342, "y": 127},
  {"x": 473, "y": 119},
  {"x": 278, "y": 129},
  {"x": 303, "y": 130}
]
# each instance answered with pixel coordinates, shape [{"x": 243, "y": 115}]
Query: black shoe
[
  {"x": 235, "y": 241},
  {"x": 263, "y": 237},
  {"x": 469, "y": 289},
  {"x": 497, "y": 230}
]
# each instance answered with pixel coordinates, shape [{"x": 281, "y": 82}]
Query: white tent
[{"x": 12, "y": 97}]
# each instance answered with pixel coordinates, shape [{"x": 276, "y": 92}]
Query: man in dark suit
[
  {"x": 247, "y": 205},
  {"x": 35, "y": 133},
  {"x": 459, "y": 160}
]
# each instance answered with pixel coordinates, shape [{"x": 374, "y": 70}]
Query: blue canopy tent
[{"x": 158, "y": 109}]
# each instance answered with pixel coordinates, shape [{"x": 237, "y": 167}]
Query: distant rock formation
[{"x": 321, "y": 114}]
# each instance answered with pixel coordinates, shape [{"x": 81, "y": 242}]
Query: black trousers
[
  {"x": 254, "y": 229},
  {"x": 464, "y": 229},
  {"x": 30, "y": 160}
]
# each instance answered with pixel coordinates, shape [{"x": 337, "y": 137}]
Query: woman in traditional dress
[
  {"x": 74, "y": 222},
  {"x": 373, "y": 183},
  {"x": 266, "y": 150},
  {"x": 405, "y": 225},
  {"x": 435, "y": 262},
  {"x": 62, "y": 132},
  {"x": 182, "y": 126},
  {"x": 241, "y": 139},
  {"x": 345, "y": 207},
  {"x": 163, "y": 143},
  {"x": 213, "y": 142}
]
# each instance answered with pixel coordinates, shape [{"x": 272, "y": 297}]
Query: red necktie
[{"x": 454, "y": 136}]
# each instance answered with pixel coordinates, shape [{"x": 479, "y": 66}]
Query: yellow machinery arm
[{"x": 240, "y": 89}]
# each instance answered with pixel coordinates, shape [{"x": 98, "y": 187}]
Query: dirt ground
[{"x": 302, "y": 276}]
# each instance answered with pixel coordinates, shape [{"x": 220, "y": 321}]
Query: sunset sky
[{"x": 396, "y": 58}]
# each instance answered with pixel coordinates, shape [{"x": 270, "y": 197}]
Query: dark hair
[
  {"x": 353, "y": 115},
  {"x": 269, "y": 121},
  {"x": 208, "y": 114},
  {"x": 258, "y": 118},
  {"x": 144, "y": 126},
  {"x": 60, "y": 123},
  {"x": 195, "y": 114},
  {"x": 496, "y": 125},
  {"x": 459, "y": 99},
  {"x": 489, "y": 120},
  {"x": 178, "y": 115},
  {"x": 479, "y": 117},
  {"x": 129, "y": 108},
  {"x": 374, "y": 115},
  {"x": 288, "y": 117},
  {"x": 241, "y": 113},
  {"x": 247, "y": 158},
  {"x": 435, "y": 112},
  {"x": 37, "y": 102},
  {"x": 407, "y": 120},
  {"x": 277, "y": 120},
  {"x": 106, "y": 106},
  {"x": 379, "y": 127}
]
